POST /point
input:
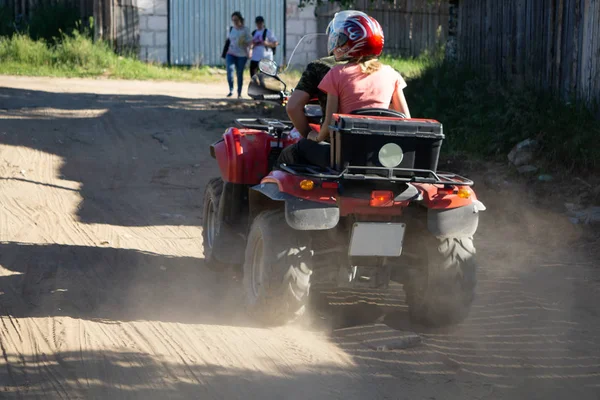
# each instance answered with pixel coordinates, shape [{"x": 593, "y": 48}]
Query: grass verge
[{"x": 76, "y": 55}]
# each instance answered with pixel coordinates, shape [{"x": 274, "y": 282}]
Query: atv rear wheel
[
  {"x": 277, "y": 269},
  {"x": 441, "y": 289}
]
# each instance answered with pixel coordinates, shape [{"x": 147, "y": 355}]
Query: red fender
[
  {"x": 439, "y": 200},
  {"x": 243, "y": 154},
  {"x": 315, "y": 127},
  {"x": 290, "y": 184}
]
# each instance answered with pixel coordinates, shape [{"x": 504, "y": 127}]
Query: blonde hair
[{"x": 369, "y": 65}]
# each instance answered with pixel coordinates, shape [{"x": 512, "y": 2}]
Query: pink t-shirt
[{"x": 357, "y": 90}]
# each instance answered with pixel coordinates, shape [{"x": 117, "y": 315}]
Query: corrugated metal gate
[{"x": 198, "y": 28}]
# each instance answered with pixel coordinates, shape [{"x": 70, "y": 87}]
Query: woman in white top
[{"x": 237, "y": 54}]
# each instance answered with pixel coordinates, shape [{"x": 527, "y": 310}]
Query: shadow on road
[
  {"x": 110, "y": 284},
  {"x": 141, "y": 160}
]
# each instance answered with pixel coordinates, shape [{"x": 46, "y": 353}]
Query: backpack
[
  {"x": 226, "y": 47},
  {"x": 273, "y": 49}
]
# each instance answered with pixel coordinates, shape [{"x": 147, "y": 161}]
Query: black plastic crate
[{"x": 357, "y": 140}]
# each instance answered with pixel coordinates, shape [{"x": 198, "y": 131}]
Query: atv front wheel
[
  {"x": 441, "y": 289},
  {"x": 211, "y": 223},
  {"x": 277, "y": 269}
]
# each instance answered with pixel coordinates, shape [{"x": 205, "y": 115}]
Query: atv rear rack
[
  {"x": 353, "y": 173},
  {"x": 264, "y": 124}
]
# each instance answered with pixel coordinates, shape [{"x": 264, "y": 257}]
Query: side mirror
[{"x": 268, "y": 67}]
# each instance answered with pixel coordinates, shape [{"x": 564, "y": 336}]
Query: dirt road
[{"x": 103, "y": 292}]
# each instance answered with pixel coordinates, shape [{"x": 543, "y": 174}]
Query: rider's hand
[{"x": 312, "y": 135}]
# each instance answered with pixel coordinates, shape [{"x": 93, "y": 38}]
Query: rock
[
  {"x": 590, "y": 215},
  {"x": 523, "y": 153},
  {"x": 527, "y": 169},
  {"x": 545, "y": 178},
  {"x": 572, "y": 207}
]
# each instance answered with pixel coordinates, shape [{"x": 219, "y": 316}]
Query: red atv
[{"x": 381, "y": 210}]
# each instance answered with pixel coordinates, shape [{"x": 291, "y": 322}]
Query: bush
[
  {"x": 487, "y": 119},
  {"x": 77, "y": 50},
  {"x": 22, "y": 49}
]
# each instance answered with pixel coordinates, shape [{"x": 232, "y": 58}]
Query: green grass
[
  {"x": 76, "y": 55},
  {"x": 414, "y": 67}
]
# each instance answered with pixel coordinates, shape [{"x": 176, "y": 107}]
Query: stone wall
[
  {"x": 154, "y": 25},
  {"x": 300, "y": 21}
]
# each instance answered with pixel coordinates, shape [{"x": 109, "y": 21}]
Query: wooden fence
[
  {"x": 118, "y": 22},
  {"x": 115, "y": 21},
  {"x": 552, "y": 44},
  {"x": 410, "y": 26}
]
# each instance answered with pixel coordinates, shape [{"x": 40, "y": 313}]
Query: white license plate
[{"x": 377, "y": 239}]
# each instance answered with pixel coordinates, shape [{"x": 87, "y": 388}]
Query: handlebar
[{"x": 280, "y": 97}]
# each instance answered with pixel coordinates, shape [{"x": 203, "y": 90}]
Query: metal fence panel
[{"x": 198, "y": 28}]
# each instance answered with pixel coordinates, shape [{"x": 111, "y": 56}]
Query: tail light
[
  {"x": 382, "y": 198},
  {"x": 329, "y": 185},
  {"x": 446, "y": 190},
  {"x": 464, "y": 193},
  {"x": 307, "y": 184}
]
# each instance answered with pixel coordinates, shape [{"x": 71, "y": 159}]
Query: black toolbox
[{"x": 356, "y": 140}]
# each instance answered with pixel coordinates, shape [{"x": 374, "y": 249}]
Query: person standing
[
  {"x": 264, "y": 44},
  {"x": 240, "y": 40}
]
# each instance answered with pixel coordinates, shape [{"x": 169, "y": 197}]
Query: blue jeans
[{"x": 239, "y": 63}]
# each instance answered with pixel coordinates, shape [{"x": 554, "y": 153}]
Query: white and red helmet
[{"x": 354, "y": 34}]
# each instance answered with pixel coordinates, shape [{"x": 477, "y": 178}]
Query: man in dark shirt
[
  {"x": 307, "y": 151},
  {"x": 306, "y": 89}
]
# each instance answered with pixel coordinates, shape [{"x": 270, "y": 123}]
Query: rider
[
  {"x": 363, "y": 82},
  {"x": 307, "y": 89},
  {"x": 358, "y": 39}
]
